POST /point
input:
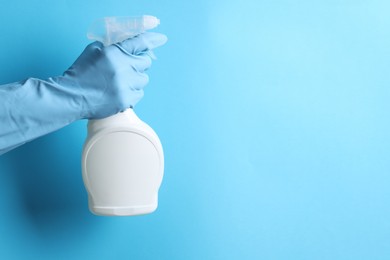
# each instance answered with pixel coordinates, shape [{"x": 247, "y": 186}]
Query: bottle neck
[{"x": 121, "y": 119}]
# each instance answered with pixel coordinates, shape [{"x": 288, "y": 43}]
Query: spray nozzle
[{"x": 110, "y": 30}]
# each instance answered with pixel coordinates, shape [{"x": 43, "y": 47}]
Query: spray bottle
[{"x": 123, "y": 160}]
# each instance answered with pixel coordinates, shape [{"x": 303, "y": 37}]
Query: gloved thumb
[{"x": 143, "y": 42}]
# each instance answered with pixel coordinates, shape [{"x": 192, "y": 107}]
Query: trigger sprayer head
[
  {"x": 110, "y": 30},
  {"x": 150, "y": 22}
]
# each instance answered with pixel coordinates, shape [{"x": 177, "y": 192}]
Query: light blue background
[{"x": 275, "y": 120}]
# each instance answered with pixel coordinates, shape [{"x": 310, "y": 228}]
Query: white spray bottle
[{"x": 123, "y": 160}]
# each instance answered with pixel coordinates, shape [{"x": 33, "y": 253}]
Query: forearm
[{"x": 32, "y": 108}]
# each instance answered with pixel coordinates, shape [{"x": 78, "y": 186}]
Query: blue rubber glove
[{"x": 103, "y": 81}]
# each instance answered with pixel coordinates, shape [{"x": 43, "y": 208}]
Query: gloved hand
[
  {"x": 102, "y": 82},
  {"x": 111, "y": 79}
]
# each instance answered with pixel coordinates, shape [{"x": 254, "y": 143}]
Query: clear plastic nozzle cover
[{"x": 110, "y": 30}]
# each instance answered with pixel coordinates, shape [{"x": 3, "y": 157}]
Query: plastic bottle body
[
  {"x": 122, "y": 166},
  {"x": 123, "y": 160}
]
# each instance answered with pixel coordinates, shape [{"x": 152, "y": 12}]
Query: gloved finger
[
  {"x": 150, "y": 53},
  {"x": 140, "y": 83},
  {"x": 143, "y": 42},
  {"x": 141, "y": 62}
]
